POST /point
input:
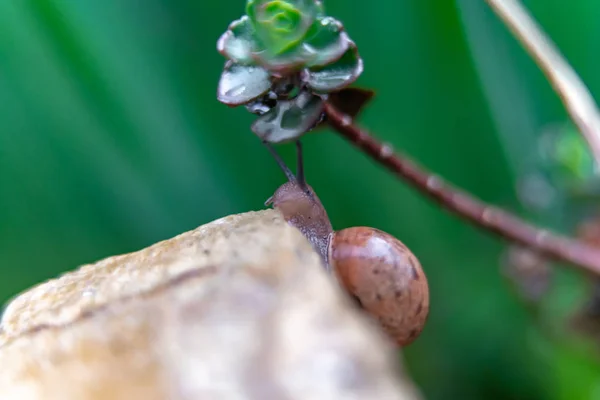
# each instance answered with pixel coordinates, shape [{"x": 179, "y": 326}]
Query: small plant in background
[
  {"x": 284, "y": 58},
  {"x": 559, "y": 188},
  {"x": 571, "y": 177},
  {"x": 566, "y": 162}
]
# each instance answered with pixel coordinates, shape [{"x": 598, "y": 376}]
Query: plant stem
[
  {"x": 464, "y": 205},
  {"x": 575, "y": 96}
]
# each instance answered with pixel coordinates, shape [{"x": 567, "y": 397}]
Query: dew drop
[
  {"x": 310, "y": 50},
  {"x": 236, "y": 90},
  {"x": 240, "y": 84}
]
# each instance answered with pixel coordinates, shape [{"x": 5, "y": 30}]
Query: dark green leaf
[
  {"x": 289, "y": 119},
  {"x": 238, "y": 43},
  {"x": 326, "y": 42},
  {"x": 337, "y": 75}
]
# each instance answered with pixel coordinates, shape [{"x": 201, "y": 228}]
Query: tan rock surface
[{"x": 239, "y": 308}]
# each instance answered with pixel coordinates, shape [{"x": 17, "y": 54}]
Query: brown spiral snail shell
[{"x": 377, "y": 269}]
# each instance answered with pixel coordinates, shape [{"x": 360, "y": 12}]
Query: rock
[{"x": 240, "y": 308}]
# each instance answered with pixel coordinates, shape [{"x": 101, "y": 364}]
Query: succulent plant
[
  {"x": 574, "y": 156},
  {"x": 285, "y": 43},
  {"x": 568, "y": 159}
]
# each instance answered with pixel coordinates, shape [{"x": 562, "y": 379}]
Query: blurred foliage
[{"x": 112, "y": 139}]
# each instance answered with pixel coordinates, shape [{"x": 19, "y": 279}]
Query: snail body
[
  {"x": 302, "y": 209},
  {"x": 375, "y": 268}
]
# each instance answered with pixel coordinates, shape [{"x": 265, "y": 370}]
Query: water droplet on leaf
[{"x": 240, "y": 84}]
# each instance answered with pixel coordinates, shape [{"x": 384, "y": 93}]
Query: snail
[{"x": 375, "y": 268}]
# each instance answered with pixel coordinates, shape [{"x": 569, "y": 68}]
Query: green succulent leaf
[
  {"x": 281, "y": 25},
  {"x": 325, "y": 42},
  {"x": 289, "y": 119},
  {"x": 238, "y": 43},
  {"x": 240, "y": 84},
  {"x": 336, "y": 76}
]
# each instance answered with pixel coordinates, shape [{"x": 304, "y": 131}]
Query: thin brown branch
[
  {"x": 464, "y": 205},
  {"x": 575, "y": 96}
]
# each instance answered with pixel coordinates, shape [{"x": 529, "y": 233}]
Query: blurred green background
[{"x": 112, "y": 139}]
